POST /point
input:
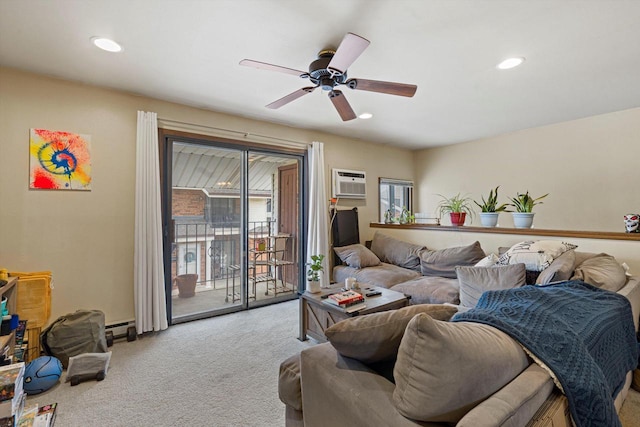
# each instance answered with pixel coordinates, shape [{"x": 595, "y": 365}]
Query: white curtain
[
  {"x": 318, "y": 236},
  {"x": 149, "y": 291}
]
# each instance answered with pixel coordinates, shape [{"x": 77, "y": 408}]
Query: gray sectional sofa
[
  {"x": 374, "y": 369},
  {"x": 428, "y": 276}
]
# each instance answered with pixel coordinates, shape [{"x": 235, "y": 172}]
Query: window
[
  {"x": 394, "y": 195},
  {"x": 222, "y": 210}
]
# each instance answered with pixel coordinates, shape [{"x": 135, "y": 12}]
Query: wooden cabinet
[
  {"x": 7, "y": 342},
  {"x": 317, "y": 318}
]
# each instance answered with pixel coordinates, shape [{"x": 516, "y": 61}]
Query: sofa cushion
[
  {"x": 474, "y": 281},
  {"x": 430, "y": 290},
  {"x": 560, "y": 269},
  {"x": 397, "y": 252},
  {"x": 536, "y": 255},
  {"x": 444, "y": 369},
  {"x": 488, "y": 261},
  {"x": 357, "y": 256},
  {"x": 376, "y": 337},
  {"x": 443, "y": 262},
  {"x": 383, "y": 275},
  {"x": 289, "y": 388},
  {"x": 602, "y": 271}
]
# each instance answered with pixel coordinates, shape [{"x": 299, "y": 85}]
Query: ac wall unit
[{"x": 349, "y": 184}]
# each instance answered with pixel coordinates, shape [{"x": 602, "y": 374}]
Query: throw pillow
[
  {"x": 430, "y": 290},
  {"x": 444, "y": 369},
  {"x": 443, "y": 262},
  {"x": 560, "y": 269},
  {"x": 602, "y": 271},
  {"x": 476, "y": 280},
  {"x": 488, "y": 261},
  {"x": 376, "y": 337},
  {"x": 397, "y": 252},
  {"x": 536, "y": 255},
  {"x": 357, "y": 256}
]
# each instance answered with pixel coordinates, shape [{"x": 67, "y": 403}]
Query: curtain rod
[{"x": 249, "y": 136}]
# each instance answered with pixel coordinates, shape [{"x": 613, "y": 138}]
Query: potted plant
[
  {"x": 313, "y": 273},
  {"x": 523, "y": 203},
  {"x": 406, "y": 217},
  {"x": 388, "y": 217},
  {"x": 490, "y": 209},
  {"x": 457, "y": 207},
  {"x": 186, "y": 285}
]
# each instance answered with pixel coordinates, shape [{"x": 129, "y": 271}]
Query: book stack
[
  {"x": 38, "y": 416},
  {"x": 46, "y": 416},
  {"x": 12, "y": 396},
  {"x": 349, "y": 301},
  {"x": 22, "y": 345}
]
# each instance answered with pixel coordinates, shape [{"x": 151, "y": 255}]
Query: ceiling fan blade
[
  {"x": 350, "y": 48},
  {"x": 342, "y": 105},
  {"x": 271, "y": 67},
  {"x": 400, "y": 89},
  {"x": 291, "y": 97}
]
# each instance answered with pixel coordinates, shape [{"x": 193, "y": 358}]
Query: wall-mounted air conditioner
[{"x": 349, "y": 184}]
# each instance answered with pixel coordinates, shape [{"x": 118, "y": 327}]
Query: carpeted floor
[
  {"x": 215, "y": 372},
  {"x": 630, "y": 412}
]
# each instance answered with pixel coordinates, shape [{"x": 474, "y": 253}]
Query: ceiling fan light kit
[{"x": 329, "y": 70}]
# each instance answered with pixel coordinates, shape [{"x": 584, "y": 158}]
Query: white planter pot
[
  {"x": 313, "y": 286},
  {"x": 489, "y": 219},
  {"x": 523, "y": 219}
]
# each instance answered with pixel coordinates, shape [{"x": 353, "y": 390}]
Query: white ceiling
[{"x": 582, "y": 58}]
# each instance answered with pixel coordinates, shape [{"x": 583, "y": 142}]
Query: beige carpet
[{"x": 214, "y": 372}]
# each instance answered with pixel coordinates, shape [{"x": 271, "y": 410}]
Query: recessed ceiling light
[
  {"x": 510, "y": 63},
  {"x": 365, "y": 116},
  {"x": 106, "y": 44}
]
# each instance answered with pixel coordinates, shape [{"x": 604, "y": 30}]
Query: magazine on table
[{"x": 345, "y": 298}]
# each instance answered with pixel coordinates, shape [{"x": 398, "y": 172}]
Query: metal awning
[{"x": 216, "y": 171}]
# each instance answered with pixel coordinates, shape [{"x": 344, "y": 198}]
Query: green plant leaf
[
  {"x": 525, "y": 203},
  {"x": 455, "y": 204},
  {"x": 491, "y": 203}
]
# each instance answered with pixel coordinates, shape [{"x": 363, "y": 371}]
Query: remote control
[{"x": 373, "y": 294}]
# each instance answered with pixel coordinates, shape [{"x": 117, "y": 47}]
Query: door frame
[
  {"x": 166, "y": 137},
  {"x": 296, "y": 241}
]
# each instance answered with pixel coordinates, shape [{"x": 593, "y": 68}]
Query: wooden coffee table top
[{"x": 373, "y": 304}]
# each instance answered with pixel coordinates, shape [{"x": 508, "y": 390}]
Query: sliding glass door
[
  {"x": 273, "y": 227},
  {"x": 233, "y": 227}
]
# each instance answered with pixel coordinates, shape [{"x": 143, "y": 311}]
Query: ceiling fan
[{"x": 329, "y": 70}]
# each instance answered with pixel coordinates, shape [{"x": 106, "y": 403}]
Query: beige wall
[
  {"x": 590, "y": 167},
  {"x": 86, "y": 238}
]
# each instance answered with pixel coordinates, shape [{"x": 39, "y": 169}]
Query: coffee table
[{"x": 316, "y": 316}]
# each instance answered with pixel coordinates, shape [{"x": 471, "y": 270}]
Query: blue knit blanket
[{"x": 585, "y": 336}]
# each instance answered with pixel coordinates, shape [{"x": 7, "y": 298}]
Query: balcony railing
[{"x": 209, "y": 249}]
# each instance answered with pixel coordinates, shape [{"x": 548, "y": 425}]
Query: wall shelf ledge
[{"x": 606, "y": 235}]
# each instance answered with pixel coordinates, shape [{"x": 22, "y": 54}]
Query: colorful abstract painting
[{"x": 59, "y": 160}]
